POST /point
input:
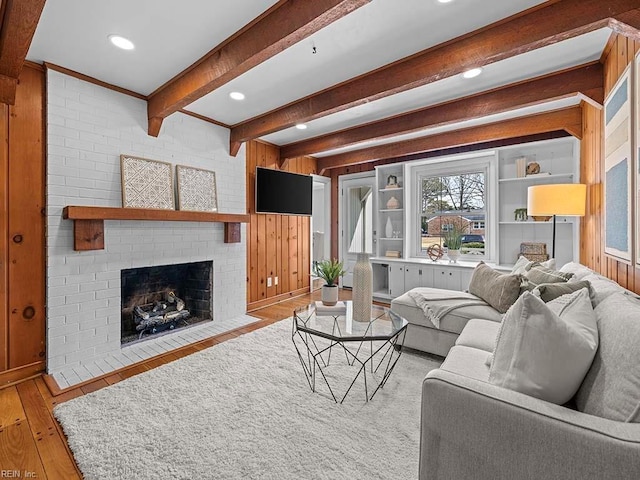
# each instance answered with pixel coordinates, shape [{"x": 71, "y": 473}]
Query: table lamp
[{"x": 558, "y": 199}]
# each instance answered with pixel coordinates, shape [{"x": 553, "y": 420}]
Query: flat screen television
[{"x": 283, "y": 192}]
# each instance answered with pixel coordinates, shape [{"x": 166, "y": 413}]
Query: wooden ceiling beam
[
  {"x": 568, "y": 119},
  {"x": 587, "y": 80},
  {"x": 19, "y": 21},
  {"x": 627, "y": 24},
  {"x": 538, "y": 27},
  {"x": 286, "y": 24}
]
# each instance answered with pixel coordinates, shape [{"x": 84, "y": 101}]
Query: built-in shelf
[
  {"x": 390, "y": 189},
  {"x": 536, "y": 178},
  {"x": 391, "y": 210},
  {"x": 550, "y": 222},
  {"x": 88, "y": 222},
  {"x": 382, "y": 294},
  {"x": 391, "y": 238}
]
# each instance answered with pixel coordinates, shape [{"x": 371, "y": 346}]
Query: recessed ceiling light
[
  {"x": 445, "y": 1},
  {"x": 237, "y": 95},
  {"x": 301, "y": 126},
  {"x": 474, "y": 72},
  {"x": 121, "y": 42}
]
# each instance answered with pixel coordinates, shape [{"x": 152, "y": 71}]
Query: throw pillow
[
  {"x": 579, "y": 271},
  {"x": 523, "y": 264},
  {"x": 611, "y": 389},
  {"x": 545, "y": 354},
  {"x": 497, "y": 289},
  {"x": 551, "y": 291},
  {"x": 539, "y": 274}
]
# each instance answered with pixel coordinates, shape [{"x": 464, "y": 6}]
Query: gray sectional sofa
[{"x": 473, "y": 429}]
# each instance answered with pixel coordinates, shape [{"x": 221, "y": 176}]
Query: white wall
[{"x": 88, "y": 128}]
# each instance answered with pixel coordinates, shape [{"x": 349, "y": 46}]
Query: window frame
[{"x": 484, "y": 162}]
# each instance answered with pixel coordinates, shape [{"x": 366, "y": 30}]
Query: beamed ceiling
[{"x": 371, "y": 79}]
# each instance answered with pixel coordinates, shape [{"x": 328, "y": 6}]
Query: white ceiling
[{"x": 170, "y": 35}]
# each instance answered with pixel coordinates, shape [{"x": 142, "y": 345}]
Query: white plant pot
[
  {"x": 453, "y": 255},
  {"x": 329, "y": 295}
]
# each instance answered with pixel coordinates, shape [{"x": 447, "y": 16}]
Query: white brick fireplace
[{"x": 88, "y": 128}]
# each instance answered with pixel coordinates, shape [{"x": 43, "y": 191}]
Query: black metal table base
[{"x": 381, "y": 354}]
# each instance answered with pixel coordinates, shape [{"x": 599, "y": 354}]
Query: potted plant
[
  {"x": 329, "y": 271},
  {"x": 452, "y": 239}
]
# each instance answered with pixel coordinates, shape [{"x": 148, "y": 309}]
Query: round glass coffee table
[{"x": 371, "y": 348}]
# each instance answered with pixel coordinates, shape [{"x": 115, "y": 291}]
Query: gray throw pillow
[
  {"x": 551, "y": 291},
  {"x": 497, "y": 289},
  {"x": 611, "y": 388},
  {"x": 538, "y": 275},
  {"x": 545, "y": 350}
]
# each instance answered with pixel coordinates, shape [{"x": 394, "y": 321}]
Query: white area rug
[{"x": 243, "y": 410}]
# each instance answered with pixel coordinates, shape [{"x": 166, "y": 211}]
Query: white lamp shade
[{"x": 557, "y": 199}]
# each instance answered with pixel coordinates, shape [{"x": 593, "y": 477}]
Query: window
[
  {"x": 478, "y": 225},
  {"x": 452, "y": 202}
]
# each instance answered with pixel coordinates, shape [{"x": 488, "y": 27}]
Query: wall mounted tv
[{"x": 283, "y": 192}]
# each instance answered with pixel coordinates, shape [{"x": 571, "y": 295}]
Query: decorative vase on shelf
[
  {"x": 393, "y": 203},
  {"x": 453, "y": 255},
  {"x": 388, "y": 229},
  {"x": 362, "y": 288}
]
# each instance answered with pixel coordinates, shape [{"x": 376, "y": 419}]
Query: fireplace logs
[{"x": 161, "y": 316}]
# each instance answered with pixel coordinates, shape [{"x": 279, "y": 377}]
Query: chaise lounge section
[{"x": 473, "y": 427}]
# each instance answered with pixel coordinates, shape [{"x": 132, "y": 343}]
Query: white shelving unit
[
  {"x": 560, "y": 159},
  {"x": 393, "y": 276},
  {"x": 390, "y": 240}
]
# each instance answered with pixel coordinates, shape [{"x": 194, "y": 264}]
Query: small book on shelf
[{"x": 339, "y": 308}]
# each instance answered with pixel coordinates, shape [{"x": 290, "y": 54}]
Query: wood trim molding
[
  {"x": 19, "y": 374},
  {"x": 554, "y": 22},
  {"x": 277, "y": 299},
  {"x": 587, "y": 80},
  {"x": 204, "y": 119},
  {"x": 19, "y": 21},
  {"x": 95, "y": 81},
  {"x": 283, "y": 26},
  {"x": 568, "y": 119},
  {"x": 627, "y": 24}
]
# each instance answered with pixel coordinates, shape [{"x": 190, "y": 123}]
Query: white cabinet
[
  {"x": 448, "y": 278},
  {"x": 417, "y": 275},
  {"x": 396, "y": 279},
  {"x": 392, "y": 279}
]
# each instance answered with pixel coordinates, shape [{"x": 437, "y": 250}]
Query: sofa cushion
[
  {"x": 468, "y": 362},
  {"x": 611, "y": 388},
  {"x": 497, "y": 289},
  {"x": 601, "y": 288},
  {"x": 538, "y": 274},
  {"x": 551, "y": 291},
  {"x": 579, "y": 271},
  {"x": 452, "y": 322},
  {"x": 481, "y": 334},
  {"x": 523, "y": 264},
  {"x": 542, "y": 353}
]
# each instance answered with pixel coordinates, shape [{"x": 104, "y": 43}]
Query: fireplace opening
[{"x": 163, "y": 298}]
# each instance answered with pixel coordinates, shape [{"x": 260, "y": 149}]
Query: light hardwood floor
[{"x": 32, "y": 444}]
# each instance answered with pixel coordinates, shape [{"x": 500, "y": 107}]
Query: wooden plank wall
[
  {"x": 22, "y": 226},
  {"x": 619, "y": 53},
  {"x": 278, "y": 245}
]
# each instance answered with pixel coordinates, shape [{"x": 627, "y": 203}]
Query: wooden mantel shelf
[{"x": 88, "y": 222}]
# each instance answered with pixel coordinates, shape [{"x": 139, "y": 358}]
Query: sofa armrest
[{"x": 475, "y": 430}]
